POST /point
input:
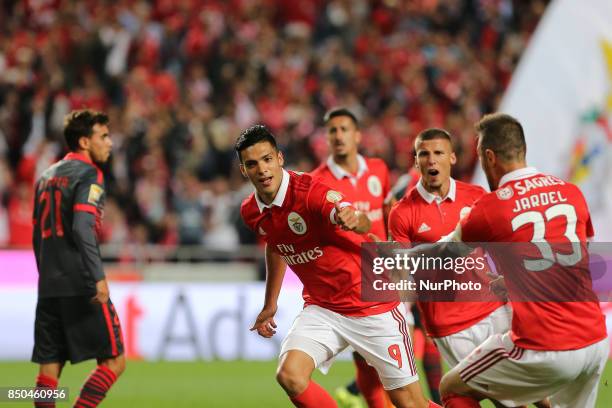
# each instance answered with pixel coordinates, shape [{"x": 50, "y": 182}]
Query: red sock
[
  {"x": 95, "y": 388},
  {"x": 314, "y": 396},
  {"x": 433, "y": 369},
  {"x": 45, "y": 382},
  {"x": 459, "y": 401},
  {"x": 369, "y": 384}
]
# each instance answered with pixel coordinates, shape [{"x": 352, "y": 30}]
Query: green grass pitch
[{"x": 200, "y": 384}]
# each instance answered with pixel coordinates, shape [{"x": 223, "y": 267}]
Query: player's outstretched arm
[
  {"x": 275, "y": 272},
  {"x": 352, "y": 220}
]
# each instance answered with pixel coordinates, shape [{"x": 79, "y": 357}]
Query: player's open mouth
[
  {"x": 433, "y": 172},
  {"x": 266, "y": 181}
]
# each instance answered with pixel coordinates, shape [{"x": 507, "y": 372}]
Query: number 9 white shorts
[{"x": 382, "y": 340}]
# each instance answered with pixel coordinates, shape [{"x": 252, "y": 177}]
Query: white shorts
[
  {"x": 382, "y": 340},
  {"x": 514, "y": 376},
  {"x": 455, "y": 347}
]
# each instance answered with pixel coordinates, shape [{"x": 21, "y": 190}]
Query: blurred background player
[
  {"x": 364, "y": 182},
  {"x": 75, "y": 318},
  {"x": 427, "y": 212},
  {"x": 306, "y": 226},
  {"x": 555, "y": 348}
]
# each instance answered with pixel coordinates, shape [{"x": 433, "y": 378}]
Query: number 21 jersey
[{"x": 71, "y": 185}]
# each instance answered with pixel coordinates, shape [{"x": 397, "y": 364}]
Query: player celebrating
[
  {"x": 364, "y": 182},
  {"x": 432, "y": 364},
  {"x": 556, "y": 349},
  {"x": 75, "y": 319},
  {"x": 427, "y": 212},
  {"x": 304, "y": 225}
]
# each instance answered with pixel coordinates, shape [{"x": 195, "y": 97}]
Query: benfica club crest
[
  {"x": 504, "y": 193},
  {"x": 374, "y": 186},
  {"x": 297, "y": 223}
]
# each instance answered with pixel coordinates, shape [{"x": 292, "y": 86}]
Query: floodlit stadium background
[{"x": 180, "y": 79}]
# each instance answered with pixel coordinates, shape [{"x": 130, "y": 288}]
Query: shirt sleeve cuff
[{"x": 332, "y": 214}]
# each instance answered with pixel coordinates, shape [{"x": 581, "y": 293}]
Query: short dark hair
[
  {"x": 504, "y": 135},
  {"x": 432, "y": 134},
  {"x": 80, "y": 123},
  {"x": 253, "y": 135},
  {"x": 335, "y": 112}
]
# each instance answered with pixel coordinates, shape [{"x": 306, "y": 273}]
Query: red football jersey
[
  {"x": 424, "y": 217},
  {"x": 531, "y": 206},
  {"x": 300, "y": 226},
  {"x": 368, "y": 190}
]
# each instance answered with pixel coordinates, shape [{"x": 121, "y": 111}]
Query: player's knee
[
  {"x": 408, "y": 396},
  {"x": 445, "y": 386},
  {"x": 450, "y": 384},
  {"x": 119, "y": 365},
  {"x": 116, "y": 364},
  {"x": 293, "y": 381}
]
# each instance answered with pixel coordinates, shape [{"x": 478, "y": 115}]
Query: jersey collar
[
  {"x": 78, "y": 156},
  {"x": 280, "y": 195},
  {"x": 517, "y": 175},
  {"x": 340, "y": 173},
  {"x": 430, "y": 198}
]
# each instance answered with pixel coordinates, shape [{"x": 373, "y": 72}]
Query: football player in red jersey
[
  {"x": 364, "y": 182},
  {"x": 555, "y": 348},
  {"x": 432, "y": 364},
  {"x": 306, "y": 225},
  {"x": 428, "y": 211}
]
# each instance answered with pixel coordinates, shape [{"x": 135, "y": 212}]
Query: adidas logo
[{"x": 424, "y": 228}]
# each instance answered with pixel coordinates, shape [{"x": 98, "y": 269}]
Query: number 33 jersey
[
  {"x": 74, "y": 184},
  {"x": 533, "y": 207}
]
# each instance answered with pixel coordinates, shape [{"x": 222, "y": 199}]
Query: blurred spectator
[
  {"x": 5, "y": 182},
  {"x": 221, "y": 234},
  {"x": 181, "y": 79},
  {"x": 20, "y": 215},
  {"x": 188, "y": 204}
]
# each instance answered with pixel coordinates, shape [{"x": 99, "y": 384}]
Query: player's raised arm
[{"x": 275, "y": 272}]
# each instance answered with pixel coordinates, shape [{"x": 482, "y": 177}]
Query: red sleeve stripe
[{"x": 85, "y": 207}]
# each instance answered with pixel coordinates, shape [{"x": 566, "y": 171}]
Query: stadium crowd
[{"x": 180, "y": 79}]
